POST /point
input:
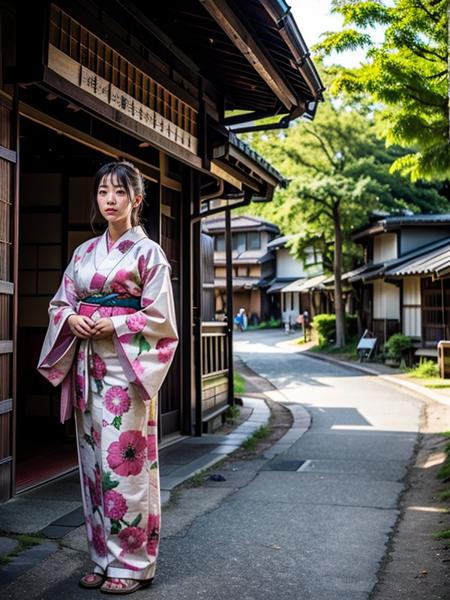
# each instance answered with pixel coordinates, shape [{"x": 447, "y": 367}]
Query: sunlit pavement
[
  {"x": 310, "y": 524},
  {"x": 342, "y": 502}
]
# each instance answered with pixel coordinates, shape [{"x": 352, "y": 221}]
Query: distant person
[
  {"x": 241, "y": 320},
  {"x": 305, "y": 324}
]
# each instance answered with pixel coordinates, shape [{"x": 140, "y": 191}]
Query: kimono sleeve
[
  {"x": 146, "y": 340},
  {"x": 59, "y": 346}
]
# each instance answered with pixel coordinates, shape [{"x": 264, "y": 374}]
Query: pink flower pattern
[
  {"x": 79, "y": 384},
  {"x": 98, "y": 367},
  {"x": 55, "y": 375},
  {"x": 132, "y": 452},
  {"x": 152, "y": 449},
  {"x": 132, "y": 539},
  {"x": 115, "y": 505},
  {"x": 91, "y": 246},
  {"x": 95, "y": 489},
  {"x": 117, "y": 400},
  {"x": 165, "y": 347},
  {"x": 136, "y": 322},
  {"x": 98, "y": 540},
  {"x": 97, "y": 281},
  {"x": 125, "y": 282},
  {"x": 125, "y": 246},
  {"x": 58, "y": 316},
  {"x": 153, "y": 527},
  {"x": 126, "y": 457},
  {"x": 137, "y": 367}
]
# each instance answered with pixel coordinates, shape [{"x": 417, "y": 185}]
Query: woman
[{"x": 110, "y": 342}]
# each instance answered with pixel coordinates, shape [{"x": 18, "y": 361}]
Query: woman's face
[{"x": 113, "y": 201}]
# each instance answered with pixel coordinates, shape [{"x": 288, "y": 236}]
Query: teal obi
[{"x": 114, "y": 300}]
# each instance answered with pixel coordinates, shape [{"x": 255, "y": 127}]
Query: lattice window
[{"x": 81, "y": 45}]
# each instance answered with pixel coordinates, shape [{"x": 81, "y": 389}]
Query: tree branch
[
  {"x": 432, "y": 16},
  {"x": 322, "y": 145}
]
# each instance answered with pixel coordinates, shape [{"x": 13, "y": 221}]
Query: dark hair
[{"x": 126, "y": 175}]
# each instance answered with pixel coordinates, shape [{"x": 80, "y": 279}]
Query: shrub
[
  {"x": 425, "y": 370},
  {"x": 398, "y": 346},
  {"x": 325, "y": 326}
]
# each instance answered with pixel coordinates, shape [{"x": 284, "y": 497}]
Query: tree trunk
[{"x": 337, "y": 270}]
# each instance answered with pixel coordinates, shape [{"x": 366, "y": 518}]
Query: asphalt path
[{"x": 311, "y": 524}]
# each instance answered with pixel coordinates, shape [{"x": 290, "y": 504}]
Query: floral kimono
[{"x": 113, "y": 383}]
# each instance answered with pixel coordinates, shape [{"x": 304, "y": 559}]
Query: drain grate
[{"x": 283, "y": 465}]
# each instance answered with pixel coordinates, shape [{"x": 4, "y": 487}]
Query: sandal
[
  {"x": 114, "y": 585},
  {"x": 92, "y": 581}
]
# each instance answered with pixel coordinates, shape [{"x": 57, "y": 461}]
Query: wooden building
[
  {"x": 253, "y": 265},
  {"x": 403, "y": 287},
  {"x": 159, "y": 84},
  {"x": 297, "y": 286}
]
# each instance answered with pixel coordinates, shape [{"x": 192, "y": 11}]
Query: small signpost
[{"x": 366, "y": 345}]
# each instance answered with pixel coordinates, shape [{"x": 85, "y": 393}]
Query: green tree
[
  {"x": 407, "y": 75},
  {"x": 339, "y": 172}
]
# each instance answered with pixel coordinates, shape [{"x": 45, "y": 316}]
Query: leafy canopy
[
  {"x": 337, "y": 162},
  {"x": 407, "y": 74}
]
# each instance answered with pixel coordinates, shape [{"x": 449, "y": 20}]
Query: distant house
[
  {"x": 298, "y": 284},
  {"x": 404, "y": 286},
  {"x": 253, "y": 265}
]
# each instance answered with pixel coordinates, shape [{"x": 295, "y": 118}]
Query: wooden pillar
[
  {"x": 197, "y": 301},
  {"x": 230, "y": 315}
]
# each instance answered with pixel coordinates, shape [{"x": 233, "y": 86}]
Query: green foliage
[
  {"x": 398, "y": 346},
  {"x": 426, "y": 369},
  {"x": 232, "y": 413},
  {"x": 238, "y": 383},
  {"x": 272, "y": 323},
  {"x": 325, "y": 326},
  {"x": 251, "y": 442},
  {"x": 406, "y": 76},
  {"x": 442, "y": 535}
]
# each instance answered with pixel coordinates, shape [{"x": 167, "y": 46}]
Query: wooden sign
[{"x": 80, "y": 57}]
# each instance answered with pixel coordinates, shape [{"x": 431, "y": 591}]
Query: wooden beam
[{"x": 244, "y": 41}]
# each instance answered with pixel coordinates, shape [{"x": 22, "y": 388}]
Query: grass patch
[
  {"x": 270, "y": 324},
  {"x": 239, "y": 384},
  {"x": 251, "y": 442},
  {"x": 444, "y": 495},
  {"x": 25, "y": 541},
  {"x": 232, "y": 413},
  {"x": 435, "y": 385},
  {"x": 198, "y": 479},
  {"x": 442, "y": 535},
  {"x": 348, "y": 351}
]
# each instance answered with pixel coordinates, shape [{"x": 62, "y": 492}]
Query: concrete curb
[
  {"x": 391, "y": 379},
  {"x": 301, "y": 417},
  {"x": 228, "y": 444}
]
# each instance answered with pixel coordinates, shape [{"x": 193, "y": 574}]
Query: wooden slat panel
[
  {"x": 5, "y": 480},
  {"x": 5, "y": 316},
  {"x": 5, "y": 436},
  {"x": 8, "y": 159},
  {"x": 6, "y": 287},
  {"x": 6, "y": 346},
  {"x": 6, "y": 406}
]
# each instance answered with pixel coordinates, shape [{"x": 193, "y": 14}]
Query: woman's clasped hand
[{"x": 84, "y": 327}]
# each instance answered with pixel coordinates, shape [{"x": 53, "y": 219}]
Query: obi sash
[{"x": 105, "y": 305}]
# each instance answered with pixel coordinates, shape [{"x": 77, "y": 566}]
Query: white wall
[
  {"x": 384, "y": 247},
  {"x": 288, "y": 266},
  {"x": 386, "y": 300},
  {"x": 412, "y": 315}
]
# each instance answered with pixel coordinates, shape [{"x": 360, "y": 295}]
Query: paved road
[
  {"x": 335, "y": 513},
  {"x": 316, "y": 531}
]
